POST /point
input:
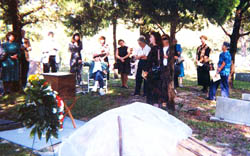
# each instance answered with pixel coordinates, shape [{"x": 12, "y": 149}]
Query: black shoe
[
  {"x": 204, "y": 90},
  {"x": 207, "y": 98}
]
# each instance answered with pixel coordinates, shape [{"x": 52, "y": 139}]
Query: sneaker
[
  {"x": 175, "y": 91},
  {"x": 101, "y": 92},
  {"x": 94, "y": 89}
]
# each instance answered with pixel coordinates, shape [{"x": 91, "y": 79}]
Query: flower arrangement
[{"x": 43, "y": 109}]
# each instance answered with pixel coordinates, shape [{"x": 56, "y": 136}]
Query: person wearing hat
[
  {"x": 202, "y": 61},
  {"x": 224, "y": 67},
  {"x": 141, "y": 55}
]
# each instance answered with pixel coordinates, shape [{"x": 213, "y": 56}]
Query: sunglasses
[{"x": 165, "y": 38}]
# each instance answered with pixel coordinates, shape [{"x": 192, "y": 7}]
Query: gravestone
[
  {"x": 62, "y": 82},
  {"x": 246, "y": 97},
  {"x": 243, "y": 77},
  {"x": 232, "y": 111}
]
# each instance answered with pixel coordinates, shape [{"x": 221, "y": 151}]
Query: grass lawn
[{"x": 90, "y": 105}]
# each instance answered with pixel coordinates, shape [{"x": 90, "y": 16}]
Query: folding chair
[{"x": 91, "y": 83}]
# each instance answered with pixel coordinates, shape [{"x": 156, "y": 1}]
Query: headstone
[
  {"x": 232, "y": 110},
  {"x": 62, "y": 82},
  {"x": 246, "y": 97},
  {"x": 243, "y": 77}
]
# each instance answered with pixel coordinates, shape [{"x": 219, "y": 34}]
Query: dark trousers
[
  {"x": 99, "y": 76},
  {"x": 51, "y": 64},
  {"x": 139, "y": 78},
  {"x": 223, "y": 82},
  {"x": 24, "y": 73}
]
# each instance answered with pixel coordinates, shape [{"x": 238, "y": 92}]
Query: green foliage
[
  {"x": 89, "y": 17},
  {"x": 40, "y": 111}
]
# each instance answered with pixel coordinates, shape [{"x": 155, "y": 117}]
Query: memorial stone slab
[
  {"x": 243, "y": 77},
  {"x": 232, "y": 110},
  {"x": 246, "y": 97}
]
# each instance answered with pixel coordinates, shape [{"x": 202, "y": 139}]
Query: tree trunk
[
  {"x": 234, "y": 38},
  {"x": 16, "y": 21},
  {"x": 169, "y": 73},
  {"x": 114, "y": 22}
]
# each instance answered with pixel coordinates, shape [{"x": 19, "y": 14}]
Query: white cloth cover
[{"x": 146, "y": 131}]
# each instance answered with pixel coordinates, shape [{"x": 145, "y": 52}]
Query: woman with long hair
[
  {"x": 10, "y": 64},
  {"x": 123, "y": 61},
  {"x": 75, "y": 47},
  {"x": 153, "y": 70}
]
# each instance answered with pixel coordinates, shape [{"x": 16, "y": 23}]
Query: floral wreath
[{"x": 43, "y": 110}]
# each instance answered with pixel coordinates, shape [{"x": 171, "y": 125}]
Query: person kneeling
[
  {"x": 223, "y": 71},
  {"x": 97, "y": 71}
]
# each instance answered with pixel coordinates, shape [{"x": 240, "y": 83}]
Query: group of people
[
  {"x": 204, "y": 68},
  {"x": 17, "y": 61},
  {"x": 152, "y": 57},
  {"x": 14, "y": 62}
]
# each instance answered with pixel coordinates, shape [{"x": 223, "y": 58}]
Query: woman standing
[
  {"x": 25, "y": 61},
  {"x": 202, "y": 60},
  {"x": 123, "y": 61},
  {"x": 104, "y": 51},
  {"x": 153, "y": 70},
  {"x": 224, "y": 67},
  {"x": 10, "y": 65},
  {"x": 180, "y": 62},
  {"x": 75, "y": 47}
]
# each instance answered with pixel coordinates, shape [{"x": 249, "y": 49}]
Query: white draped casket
[{"x": 144, "y": 131}]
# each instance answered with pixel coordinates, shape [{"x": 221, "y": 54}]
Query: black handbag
[
  {"x": 116, "y": 65},
  {"x": 156, "y": 70}
]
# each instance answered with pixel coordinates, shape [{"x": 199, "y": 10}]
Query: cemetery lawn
[{"x": 223, "y": 135}]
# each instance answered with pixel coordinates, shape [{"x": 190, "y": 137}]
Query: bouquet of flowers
[{"x": 43, "y": 109}]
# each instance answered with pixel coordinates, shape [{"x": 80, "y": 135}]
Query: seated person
[{"x": 97, "y": 71}]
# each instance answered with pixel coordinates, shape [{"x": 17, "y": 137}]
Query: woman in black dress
[
  {"x": 123, "y": 62},
  {"x": 202, "y": 60},
  {"x": 75, "y": 47},
  {"x": 153, "y": 70}
]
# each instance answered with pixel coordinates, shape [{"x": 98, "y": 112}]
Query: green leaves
[{"x": 37, "y": 112}]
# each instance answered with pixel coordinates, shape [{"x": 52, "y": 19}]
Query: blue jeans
[
  {"x": 99, "y": 76},
  {"x": 223, "y": 82}
]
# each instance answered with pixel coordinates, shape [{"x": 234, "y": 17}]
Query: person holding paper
[
  {"x": 223, "y": 71},
  {"x": 202, "y": 61}
]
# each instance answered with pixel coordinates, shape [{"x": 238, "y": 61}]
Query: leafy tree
[
  {"x": 240, "y": 21},
  {"x": 88, "y": 17},
  {"x": 20, "y": 13},
  {"x": 178, "y": 14}
]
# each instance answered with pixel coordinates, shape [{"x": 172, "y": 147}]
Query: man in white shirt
[
  {"x": 141, "y": 55},
  {"x": 165, "y": 42},
  {"x": 50, "y": 56}
]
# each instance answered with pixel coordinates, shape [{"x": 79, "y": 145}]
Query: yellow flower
[{"x": 33, "y": 77}]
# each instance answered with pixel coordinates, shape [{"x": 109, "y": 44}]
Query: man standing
[
  {"x": 50, "y": 57},
  {"x": 141, "y": 55}
]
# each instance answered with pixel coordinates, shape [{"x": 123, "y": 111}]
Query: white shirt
[
  {"x": 165, "y": 52},
  {"x": 143, "y": 51},
  {"x": 48, "y": 49},
  {"x": 97, "y": 66}
]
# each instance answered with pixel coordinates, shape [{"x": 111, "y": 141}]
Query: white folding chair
[{"x": 91, "y": 83}]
